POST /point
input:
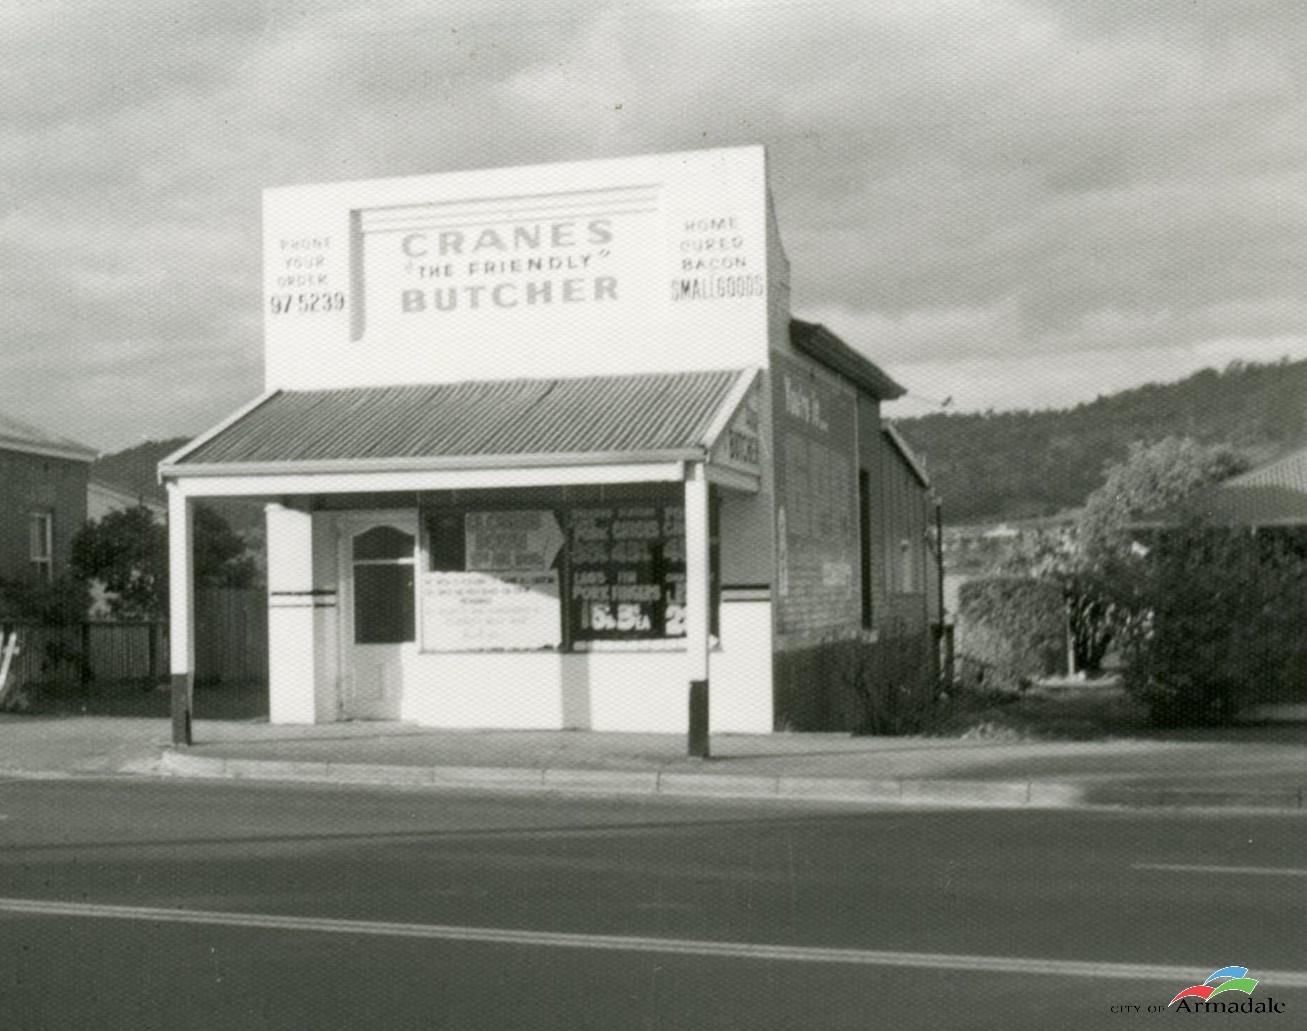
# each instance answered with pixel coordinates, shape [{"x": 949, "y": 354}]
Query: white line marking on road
[
  {"x": 1270, "y": 871},
  {"x": 622, "y": 943}
]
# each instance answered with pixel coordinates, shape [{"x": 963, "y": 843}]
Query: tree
[
  {"x": 1153, "y": 478},
  {"x": 127, "y": 551},
  {"x": 1095, "y": 560}
]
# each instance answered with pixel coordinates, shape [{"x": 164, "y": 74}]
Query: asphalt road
[{"x": 140, "y": 904}]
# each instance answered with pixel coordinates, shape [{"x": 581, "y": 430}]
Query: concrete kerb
[
  {"x": 908, "y": 792},
  {"x": 179, "y": 763}
]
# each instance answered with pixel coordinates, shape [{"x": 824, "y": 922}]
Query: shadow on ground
[{"x": 241, "y": 700}]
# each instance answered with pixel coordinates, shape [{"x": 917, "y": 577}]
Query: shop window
[
  {"x": 384, "y": 607},
  {"x": 40, "y": 547},
  {"x": 627, "y": 572},
  {"x": 492, "y": 580},
  {"x": 566, "y": 577}
]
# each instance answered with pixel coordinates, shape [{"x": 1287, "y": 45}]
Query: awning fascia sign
[
  {"x": 230, "y": 484},
  {"x": 438, "y": 463},
  {"x": 733, "y": 440}
]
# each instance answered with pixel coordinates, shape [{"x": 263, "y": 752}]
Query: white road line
[
  {"x": 621, "y": 943},
  {"x": 1269, "y": 871}
]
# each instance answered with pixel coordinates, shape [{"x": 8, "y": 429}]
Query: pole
[
  {"x": 697, "y": 602},
  {"x": 181, "y": 611},
  {"x": 944, "y": 647}
]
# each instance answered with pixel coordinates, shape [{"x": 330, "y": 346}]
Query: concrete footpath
[{"x": 1263, "y": 767}]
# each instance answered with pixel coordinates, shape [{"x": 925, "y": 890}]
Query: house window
[{"x": 40, "y": 543}]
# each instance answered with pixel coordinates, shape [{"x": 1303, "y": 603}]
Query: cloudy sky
[{"x": 1019, "y": 203}]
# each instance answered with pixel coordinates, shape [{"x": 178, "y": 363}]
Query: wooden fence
[
  {"x": 231, "y": 645},
  {"x": 231, "y": 635}
]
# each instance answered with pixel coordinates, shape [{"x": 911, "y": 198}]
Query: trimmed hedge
[{"x": 1010, "y": 630}]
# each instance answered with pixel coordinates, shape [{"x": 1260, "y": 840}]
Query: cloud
[{"x": 1019, "y": 185}]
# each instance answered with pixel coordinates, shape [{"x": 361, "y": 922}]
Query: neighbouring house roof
[
  {"x": 1270, "y": 495},
  {"x": 820, "y": 344},
  {"x": 657, "y": 416},
  {"x": 16, "y": 435},
  {"x": 104, "y": 496},
  {"x": 1289, "y": 472}
]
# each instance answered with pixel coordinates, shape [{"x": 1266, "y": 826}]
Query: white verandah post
[
  {"x": 697, "y": 601},
  {"x": 181, "y": 611}
]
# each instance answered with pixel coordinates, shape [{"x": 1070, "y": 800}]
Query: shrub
[
  {"x": 893, "y": 682},
  {"x": 60, "y": 602},
  {"x": 1010, "y": 630},
  {"x": 1221, "y": 617}
]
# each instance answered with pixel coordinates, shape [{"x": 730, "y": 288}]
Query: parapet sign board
[{"x": 617, "y": 266}]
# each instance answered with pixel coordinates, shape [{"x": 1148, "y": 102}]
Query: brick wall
[
  {"x": 37, "y": 483},
  {"x": 814, "y": 687},
  {"x": 815, "y": 448}
]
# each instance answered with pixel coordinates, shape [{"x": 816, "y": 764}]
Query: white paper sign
[
  {"x": 491, "y": 611},
  {"x": 512, "y": 539}
]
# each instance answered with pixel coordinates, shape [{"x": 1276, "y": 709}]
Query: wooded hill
[
  {"x": 1014, "y": 465},
  {"x": 137, "y": 468}
]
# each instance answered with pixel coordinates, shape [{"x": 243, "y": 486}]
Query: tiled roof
[
  {"x": 1254, "y": 505},
  {"x": 626, "y": 416},
  {"x": 20, "y": 436},
  {"x": 1289, "y": 472},
  {"x": 1270, "y": 495},
  {"x": 1273, "y": 494},
  {"x": 820, "y": 344}
]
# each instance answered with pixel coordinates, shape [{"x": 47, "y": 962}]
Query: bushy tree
[
  {"x": 127, "y": 551},
  {"x": 1153, "y": 478},
  {"x": 222, "y": 558},
  {"x": 1096, "y": 560}
]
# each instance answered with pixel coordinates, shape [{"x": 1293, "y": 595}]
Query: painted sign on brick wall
[{"x": 816, "y": 499}]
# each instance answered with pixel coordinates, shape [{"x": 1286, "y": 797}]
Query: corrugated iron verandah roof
[{"x": 658, "y": 415}]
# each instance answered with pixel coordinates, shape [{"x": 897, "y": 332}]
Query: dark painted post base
[
  {"x": 699, "y": 719},
  {"x": 181, "y": 708}
]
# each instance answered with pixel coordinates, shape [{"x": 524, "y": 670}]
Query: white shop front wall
[
  {"x": 618, "y": 266},
  {"x": 509, "y": 676}
]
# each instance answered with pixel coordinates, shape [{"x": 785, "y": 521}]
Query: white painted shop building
[{"x": 542, "y": 447}]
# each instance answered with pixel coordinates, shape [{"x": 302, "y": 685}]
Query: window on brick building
[
  {"x": 908, "y": 567},
  {"x": 40, "y": 543}
]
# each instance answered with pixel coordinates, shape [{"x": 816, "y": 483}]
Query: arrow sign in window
[{"x": 515, "y": 539}]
